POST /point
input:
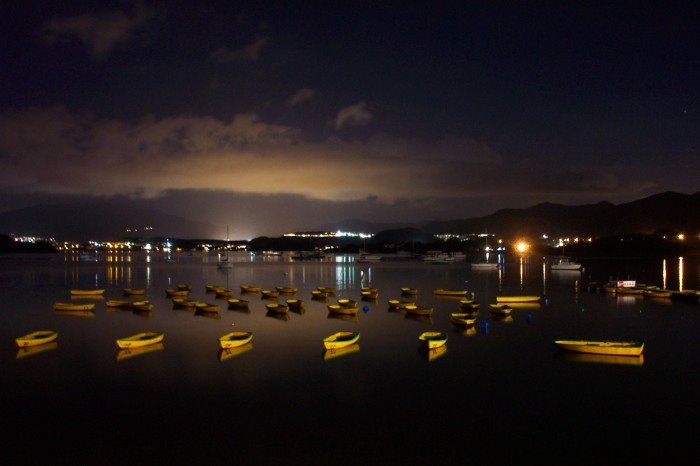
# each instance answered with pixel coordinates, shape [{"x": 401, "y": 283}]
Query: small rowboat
[
  {"x": 286, "y": 289},
  {"x": 184, "y": 287},
  {"x": 183, "y": 303},
  {"x": 140, "y": 339},
  {"x": 76, "y": 292},
  {"x": 223, "y": 293},
  {"x": 235, "y": 303},
  {"x": 270, "y": 294},
  {"x": 142, "y": 305},
  {"x": 409, "y": 291},
  {"x": 211, "y": 288},
  {"x": 618, "y": 348},
  {"x": 398, "y": 304},
  {"x": 235, "y": 339},
  {"x": 341, "y": 339},
  {"x": 295, "y": 304},
  {"x": 339, "y": 309},
  {"x": 347, "y": 302},
  {"x": 462, "y": 320},
  {"x": 327, "y": 289},
  {"x": 517, "y": 299},
  {"x": 206, "y": 307},
  {"x": 36, "y": 338},
  {"x": 432, "y": 340},
  {"x": 502, "y": 309},
  {"x": 318, "y": 294},
  {"x": 122, "y": 303},
  {"x": 134, "y": 291},
  {"x": 277, "y": 307},
  {"x": 657, "y": 293},
  {"x": 468, "y": 305},
  {"x": 250, "y": 289},
  {"x": 370, "y": 294},
  {"x": 333, "y": 353},
  {"x": 73, "y": 306},
  {"x": 419, "y": 310},
  {"x": 453, "y": 293},
  {"x": 127, "y": 353},
  {"x": 173, "y": 292}
]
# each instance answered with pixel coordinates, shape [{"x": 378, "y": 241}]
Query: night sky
[{"x": 279, "y": 116}]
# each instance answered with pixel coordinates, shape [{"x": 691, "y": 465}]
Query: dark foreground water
[{"x": 500, "y": 394}]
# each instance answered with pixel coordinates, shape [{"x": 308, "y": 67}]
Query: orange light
[{"x": 521, "y": 246}]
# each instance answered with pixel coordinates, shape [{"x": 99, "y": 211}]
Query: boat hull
[
  {"x": 235, "y": 339},
  {"x": 40, "y": 337},
  {"x": 517, "y": 299},
  {"x": 618, "y": 348},
  {"x": 341, "y": 340},
  {"x": 140, "y": 339}
]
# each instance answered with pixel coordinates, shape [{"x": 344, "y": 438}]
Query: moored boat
[
  {"x": 451, "y": 293},
  {"x": 223, "y": 293},
  {"x": 432, "y": 339},
  {"x": 73, "y": 306},
  {"x": 318, "y": 294},
  {"x": 369, "y": 294},
  {"x": 332, "y": 353},
  {"x": 341, "y": 339},
  {"x": 235, "y": 303},
  {"x": 140, "y": 339},
  {"x": 517, "y": 299},
  {"x": 235, "y": 339},
  {"x": 130, "y": 352},
  {"x": 286, "y": 289},
  {"x": 174, "y": 292},
  {"x": 142, "y": 305},
  {"x": 36, "y": 338},
  {"x": 340, "y": 309},
  {"x": 619, "y": 348},
  {"x": 134, "y": 291},
  {"x": 277, "y": 307},
  {"x": 408, "y": 291},
  {"x": 250, "y": 289},
  {"x": 79, "y": 292},
  {"x": 500, "y": 309},
  {"x": 461, "y": 319},
  {"x": 270, "y": 294},
  {"x": 295, "y": 304},
  {"x": 121, "y": 303},
  {"x": 397, "y": 304},
  {"x": 345, "y": 302},
  {"x": 328, "y": 289},
  {"x": 419, "y": 310}
]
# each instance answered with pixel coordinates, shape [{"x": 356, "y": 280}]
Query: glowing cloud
[
  {"x": 302, "y": 96},
  {"x": 357, "y": 115}
]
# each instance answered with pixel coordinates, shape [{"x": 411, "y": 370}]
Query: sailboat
[
  {"x": 223, "y": 262},
  {"x": 564, "y": 262},
  {"x": 485, "y": 264}
]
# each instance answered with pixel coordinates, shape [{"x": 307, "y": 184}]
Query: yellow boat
[
  {"x": 328, "y": 289},
  {"x": 345, "y": 302},
  {"x": 36, "y": 338},
  {"x": 432, "y": 340},
  {"x": 174, "y": 292},
  {"x": 206, "y": 307},
  {"x": 333, "y": 353},
  {"x": 398, "y": 304},
  {"x": 433, "y": 353},
  {"x": 517, "y": 299},
  {"x": 341, "y": 339},
  {"x": 469, "y": 305},
  {"x": 127, "y": 353},
  {"x": 235, "y": 339},
  {"x": 295, "y": 304},
  {"x": 223, "y": 293},
  {"x": 451, "y": 293},
  {"x": 340, "y": 309},
  {"x": 122, "y": 303},
  {"x": 250, "y": 289},
  {"x": 134, "y": 291},
  {"x": 88, "y": 313},
  {"x": 78, "y": 292},
  {"x": 419, "y": 310},
  {"x": 318, "y": 294},
  {"x": 657, "y": 293},
  {"x": 277, "y": 307},
  {"x": 618, "y": 348},
  {"x": 286, "y": 289},
  {"x": 228, "y": 353},
  {"x": 462, "y": 319},
  {"x": 235, "y": 303},
  {"x": 212, "y": 288},
  {"x": 270, "y": 294},
  {"x": 409, "y": 291},
  {"x": 26, "y": 351},
  {"x": 369, "y": 295},
  {"x": 142, "y": 305},
  {"x": 140, "y": 339},
  {"x": 500, "y": 309},
  {"x": 73, "y": 306},
  {"x": 184, "y": 303}
]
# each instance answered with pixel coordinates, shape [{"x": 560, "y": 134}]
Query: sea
[{"x": 499, "y": 393}]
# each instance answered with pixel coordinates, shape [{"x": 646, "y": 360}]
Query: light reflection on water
[{"x": 497, "y": 373}]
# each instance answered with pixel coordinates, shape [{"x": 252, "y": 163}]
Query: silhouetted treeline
[{"x": 7, "y": 244}]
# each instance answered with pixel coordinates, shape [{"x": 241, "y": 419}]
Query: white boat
[
  {"x": 564, "y": 263},
  {"x": 87, "y": 257},
  {"x": 485, "y": 265},
  {"x": 438, "y": 256},
  {"x": 224, "y": 262}
]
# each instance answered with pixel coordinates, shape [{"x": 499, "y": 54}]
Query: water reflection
[
  {"x": 33, "y": 350},
  {"x": 228, "y": 353},
  {"x": 680, "y": 274},
  {"x": 127, "y": 353},
  {"x": 333, "y": 353},
  {"x": 600, "y": 358}
]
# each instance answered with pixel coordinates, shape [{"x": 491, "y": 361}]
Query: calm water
[{"x": 501, "y": 394}]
